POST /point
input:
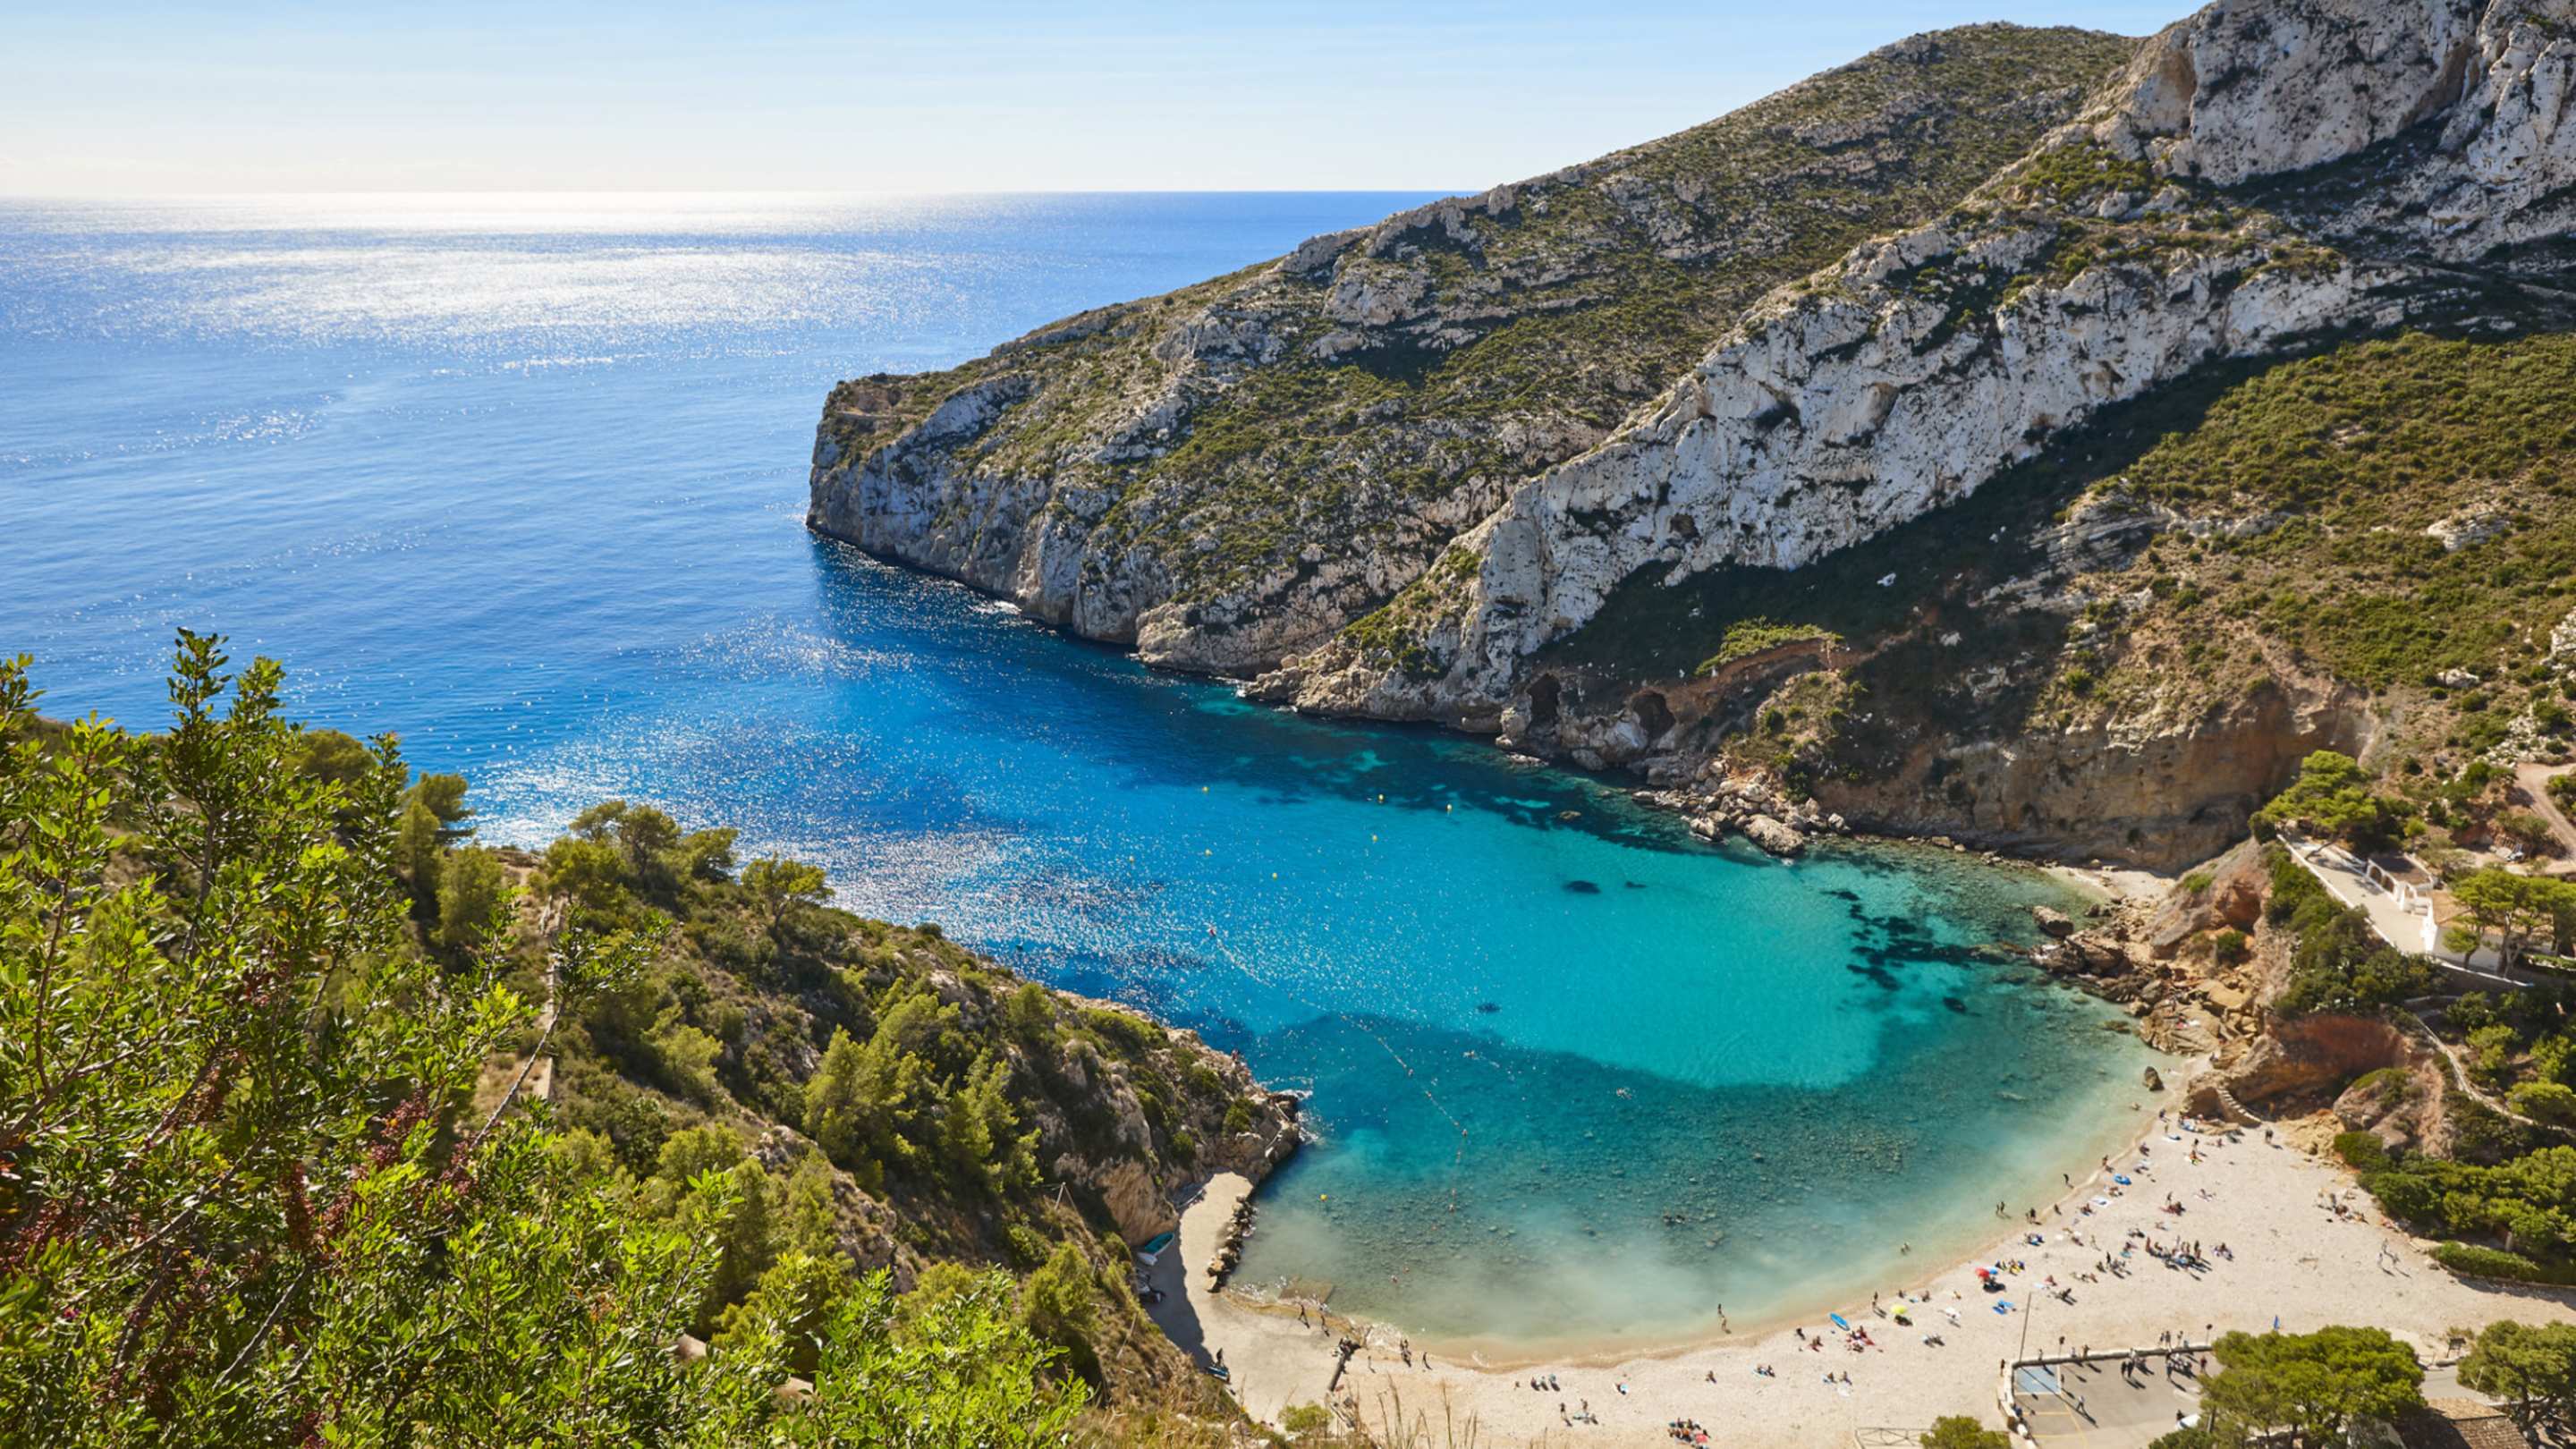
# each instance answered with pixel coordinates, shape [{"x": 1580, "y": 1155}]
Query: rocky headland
[{"x": 1934, "y": 444}]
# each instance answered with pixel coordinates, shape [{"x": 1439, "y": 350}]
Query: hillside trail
[
  {"x": 541, "y": 920},
  {"x": 2463, "y": 1083},
  {"x": 2532, "y": 780}
]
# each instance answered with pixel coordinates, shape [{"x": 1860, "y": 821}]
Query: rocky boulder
[
  {"x": 1774, "y": 837},
  {"x": 2406, "y": 1108},
  {"x": 2233, "y": 897},
  {"x": 2314, "y": 1053}
]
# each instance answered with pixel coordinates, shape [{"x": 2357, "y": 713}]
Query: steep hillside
[
  {"x": 2214, "y": 426},
  {"x": 1958, "y": 448},
  {"x": 2183, "y": 220},
  {"x": 1229, "y": 473},
  {"x": 306, "y": 1090},
  {"x": 917, "y": 1104},
  {"x": 2121, "y": 646}
]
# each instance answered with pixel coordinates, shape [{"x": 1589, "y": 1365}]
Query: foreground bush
[{"x": 237, "y": 1204}]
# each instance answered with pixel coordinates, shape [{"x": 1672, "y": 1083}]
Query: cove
[{"x": 527, "y": 488}]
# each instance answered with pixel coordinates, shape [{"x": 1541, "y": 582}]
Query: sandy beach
[
  {"x": 2116, "y": 883},
  {"x": 2291, "y": 1256}
]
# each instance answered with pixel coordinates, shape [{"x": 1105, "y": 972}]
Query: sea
[{"x": 521, "y": 479}]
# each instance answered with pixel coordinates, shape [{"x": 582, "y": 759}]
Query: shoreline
[
  {"x": 2115, "y": 888},
  {"x": 1492, "y": 1357},
  {"x": 2291, "y": 1257},
  {"x": 2120, "y": 883}
]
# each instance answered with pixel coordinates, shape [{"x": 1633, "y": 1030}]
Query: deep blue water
[{"x": 525, "y": 485}]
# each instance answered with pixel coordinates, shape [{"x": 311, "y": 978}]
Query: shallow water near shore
[{"x": 525, "y": 485}]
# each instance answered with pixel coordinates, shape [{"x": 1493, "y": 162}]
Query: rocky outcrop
[
  {"x": 1231, "y": 473},
  {"x": 2398, "y": 1106},
  {"x": 2109, "y": 263},
  {"x": 1133, "y": 1171},
  {"x": 2312, "y": 1054},
  {"x": 2162, "y": 788},
  {"x": 1214, "y": 476},
  {"x": 1825, "y": 422},
  {"x": 2238, "y": 882},
  {"x": 1774, "y": 837}
]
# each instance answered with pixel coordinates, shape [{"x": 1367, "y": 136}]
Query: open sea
[{"x": 523, "y": 480}]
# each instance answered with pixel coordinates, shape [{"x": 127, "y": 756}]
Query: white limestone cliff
[{"x": 1925, "y": 363}]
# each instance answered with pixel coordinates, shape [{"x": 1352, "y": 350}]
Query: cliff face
[
  {"x": 2165, "y": 229},
  {"x": 1232, "y": 472},
  {"x": 1920, "y": 446}
]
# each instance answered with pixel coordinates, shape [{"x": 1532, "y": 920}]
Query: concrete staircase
[{"x": 2236, "y": 1110}]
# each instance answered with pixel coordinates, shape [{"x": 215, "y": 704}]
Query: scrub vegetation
[{"x": 276, "y": 1171}]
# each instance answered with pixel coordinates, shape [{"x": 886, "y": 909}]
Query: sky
[{"x": 99, "y": 97}]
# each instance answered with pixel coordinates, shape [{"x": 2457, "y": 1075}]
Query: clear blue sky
[{"x": 970, "y": 95}]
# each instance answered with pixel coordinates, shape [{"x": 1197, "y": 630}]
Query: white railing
[{"x": 2353, "y": 881}]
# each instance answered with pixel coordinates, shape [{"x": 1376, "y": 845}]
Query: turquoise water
[{"x": 526, "y": 486}]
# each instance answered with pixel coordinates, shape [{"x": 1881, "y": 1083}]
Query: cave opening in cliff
[
  {"x": 1652, "y": 712},
  {"x": 1543, "y": 702}
]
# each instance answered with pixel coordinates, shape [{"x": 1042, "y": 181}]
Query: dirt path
[
  {"x": 504, "y": 1078},
  {"x": 2463, "y": 1083},
  {"x": 2533, "y": 779}
]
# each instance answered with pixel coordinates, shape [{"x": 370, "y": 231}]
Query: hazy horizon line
[{"x": 551, "y": 191}]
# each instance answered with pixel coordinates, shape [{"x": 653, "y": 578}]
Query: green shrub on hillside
[
  {"x": 2334, "y": 797},
  {"x": 1748, "y": 637},
  {"x": 247, "y": 1209},
  {"x": 2480, "y": 1262},
  {"x": 2339, "y": 963},
  {"x": 2546, "y": 1101},
  {"x": 2362, "y": 1152},
  {"x": 2528, "y": 1203}
]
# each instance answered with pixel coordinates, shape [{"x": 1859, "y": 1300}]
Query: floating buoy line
[{"x": 1458, "y": 1155}]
